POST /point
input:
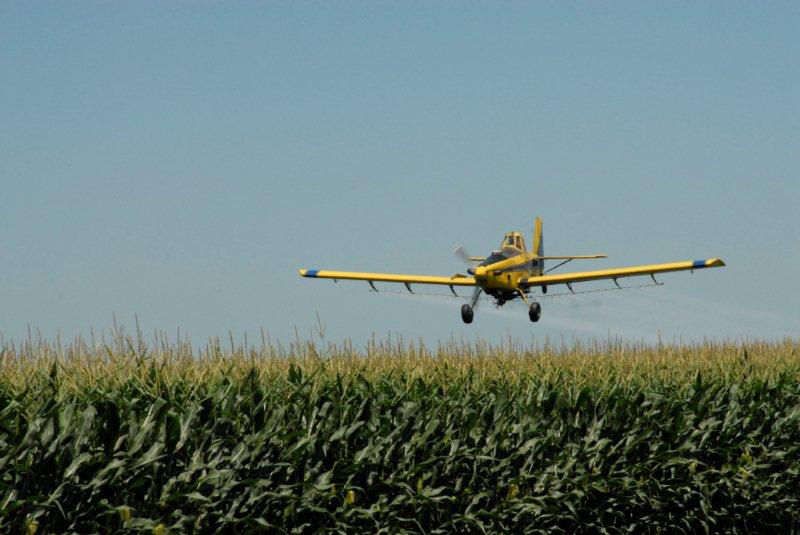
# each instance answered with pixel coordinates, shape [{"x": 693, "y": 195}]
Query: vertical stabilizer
[{"x": 538, "y": 246}]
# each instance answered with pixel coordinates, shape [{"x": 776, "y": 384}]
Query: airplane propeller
[{"x": 462, "y": 254}]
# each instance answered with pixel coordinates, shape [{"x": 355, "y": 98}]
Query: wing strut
[
  {"x": 408, "y": 288},
  {"x": 452, "y": 290},
  {"x": 374, "y": 289}
]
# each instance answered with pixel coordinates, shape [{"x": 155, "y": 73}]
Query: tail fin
[{"x": 538, "y": 246}]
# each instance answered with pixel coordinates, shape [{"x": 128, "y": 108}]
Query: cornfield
[{"x": 606, "y": 437}]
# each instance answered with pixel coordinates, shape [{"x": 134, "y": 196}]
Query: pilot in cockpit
[{"x": 514, "y": 240}]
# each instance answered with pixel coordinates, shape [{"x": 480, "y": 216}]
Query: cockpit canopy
[{"x": 514, "y": 240}]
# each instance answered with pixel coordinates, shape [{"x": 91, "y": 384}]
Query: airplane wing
[
  {"x": 652, "y": 269},
  {"x": 455, "y": 280},
  {"x": 579, "y": 257}
]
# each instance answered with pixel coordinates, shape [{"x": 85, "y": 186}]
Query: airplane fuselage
[{"x": 500, "y": 273}]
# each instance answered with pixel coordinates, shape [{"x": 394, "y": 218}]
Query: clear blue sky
[{"x": 180, "y": 161}]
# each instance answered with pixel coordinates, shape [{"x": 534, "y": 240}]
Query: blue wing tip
[{"x": 711, "y": 262}]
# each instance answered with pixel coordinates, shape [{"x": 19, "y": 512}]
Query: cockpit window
[
  {"x": 513, "y": 241},
  {"x": 496, "y": 256}
]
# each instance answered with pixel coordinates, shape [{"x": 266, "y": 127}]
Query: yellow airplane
[{"x": 512, "y": 272}]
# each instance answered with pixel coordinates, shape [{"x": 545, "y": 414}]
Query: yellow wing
[
  {"x": 569, "y": 278},
  {"x": 455, "y": 280},
  {"x": 579, "y": 257}
]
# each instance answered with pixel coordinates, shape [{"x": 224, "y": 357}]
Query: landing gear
[
  {"x": 467, "y": 313},
  {"x": 534, "y": 312}
]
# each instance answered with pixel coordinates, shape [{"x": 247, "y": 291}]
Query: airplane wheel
[
  {"x": 535, "y": 312},
  {"x": 467, "y": 313}
]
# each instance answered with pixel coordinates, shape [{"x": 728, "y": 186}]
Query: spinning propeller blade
[{"x": 461, "y": 253}]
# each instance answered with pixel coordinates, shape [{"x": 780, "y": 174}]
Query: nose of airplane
[{"x": 480, "y": 272}]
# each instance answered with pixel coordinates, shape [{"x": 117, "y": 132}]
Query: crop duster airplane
[{"x": 512, "y": 271}]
